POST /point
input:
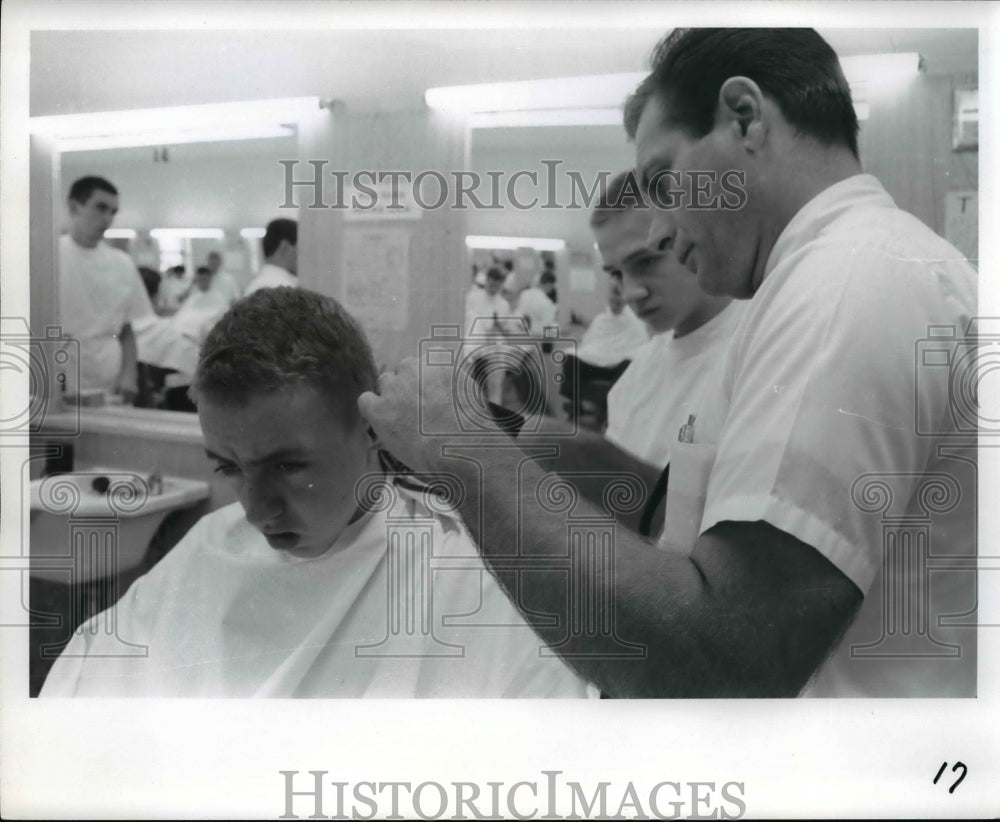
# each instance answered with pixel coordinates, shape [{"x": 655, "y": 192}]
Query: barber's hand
[{"x": 414, "y": 416}]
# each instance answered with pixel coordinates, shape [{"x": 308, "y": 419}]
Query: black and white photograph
[{"x": 489, "y": 410}]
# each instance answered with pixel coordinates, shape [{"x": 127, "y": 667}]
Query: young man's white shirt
[
  {"x": 660, "y": 389},
  {"x": 100, "y": 290}
]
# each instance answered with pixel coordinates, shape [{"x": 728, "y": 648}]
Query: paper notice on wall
[
  {"x": 961, "y": 222},
  {"x": 388, "y": 200},
  {"x": 376, "y": 276}
]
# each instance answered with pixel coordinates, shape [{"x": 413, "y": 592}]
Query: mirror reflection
[{"x": 191, "y": 222}]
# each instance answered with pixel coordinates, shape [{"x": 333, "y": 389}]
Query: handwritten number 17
[{"x": 954, "y": 768}]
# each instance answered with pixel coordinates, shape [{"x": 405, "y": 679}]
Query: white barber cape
[
  {"x": 400, "y": 606},
  {"x": 611, "y": 339}
]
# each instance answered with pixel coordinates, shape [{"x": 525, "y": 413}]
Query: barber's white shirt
[
  {"x": 657, "y": 392},
  {"x": 100, "y": 291},
  {"x": 271, "y": 276},
  {"x": 839, "y": 419},
  {"x": 400, "y": 606}
]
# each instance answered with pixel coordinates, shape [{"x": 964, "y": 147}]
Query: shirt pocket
[{"x": 690, "y": 467}]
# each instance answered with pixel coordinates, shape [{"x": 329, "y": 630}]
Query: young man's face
[
  {"x": 291, "y": 462},
  {"x": 660, "y": 291},
  {"x": 616, "y": 300},
  {"x": 91, "y": 219},
  {"x": 493, "y": 285},
  {"x": 718, "y": 244}
]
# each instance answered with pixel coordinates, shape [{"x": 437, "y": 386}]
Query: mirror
[{"x": 178, "y": 203}]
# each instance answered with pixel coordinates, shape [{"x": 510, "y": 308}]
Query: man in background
[
  {"x": 222, "y": 280},
  {"x": 281, "y": 259},
  {"x": 101, "y": 293}
]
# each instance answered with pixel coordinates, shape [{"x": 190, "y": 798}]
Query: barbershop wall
[{"x": 907, "y": 143}]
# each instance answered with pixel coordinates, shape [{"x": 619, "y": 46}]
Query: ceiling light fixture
[
  {"x": 176, "y": 124},
  {"x": 513, "y": 243}
]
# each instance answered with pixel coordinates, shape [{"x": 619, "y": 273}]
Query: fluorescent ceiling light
[
  {"x": 539, "y": 243},
  {"x": 165, "y": 126},
  {"x": 588, "y": 91},
  {"x": 594, "y": 99},
  {"x": 252, "y": 233},
  {"x": 187, "y": 234},
  {"x": 120, "y": 234},
  {"x": 547, "y": 117},
  {"x": 172, "y": 138}
]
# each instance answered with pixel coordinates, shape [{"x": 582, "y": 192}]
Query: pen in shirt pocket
[{"x": 686, "y": 434}]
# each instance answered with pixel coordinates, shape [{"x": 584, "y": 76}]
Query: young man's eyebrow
[
  {"x": 638, "y": 254},
  {"x": 281, "y": 453}
]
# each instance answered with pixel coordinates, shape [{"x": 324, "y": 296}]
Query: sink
[{"x": 79, "y": 533}]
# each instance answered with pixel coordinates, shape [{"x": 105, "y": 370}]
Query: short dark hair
[
  {"x": 203, "y": 269},
  {"x": 278, "y": 230},
  {"x": 547, "y": 276},
  {"x": 794, "y": 67},
  {"x": 81, "y": 190},
  {"x": 279, "y": 337},
  {"x": 622, "y": 193},
  {"x": 494, "y": 272}
]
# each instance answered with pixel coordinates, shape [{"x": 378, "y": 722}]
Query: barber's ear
[{"x": 741, "y": 103}]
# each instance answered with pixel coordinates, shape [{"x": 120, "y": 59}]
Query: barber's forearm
[
  {"x": 528, "y": 549},
  {"x": 640, "y": 622},
  {"x": 592, "y": 463}
]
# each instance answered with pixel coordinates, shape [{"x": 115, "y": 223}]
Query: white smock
[
  {"x": 835, "y": 422},
  {"x": 100, "y": 291},
  {"x": 662, "y": 386},
  {"x": 611, "y": 339},
  {"x": 540, "y": 312},
  {"x": 400, "y": 606},
  {"x": 271, "y": 276}
]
